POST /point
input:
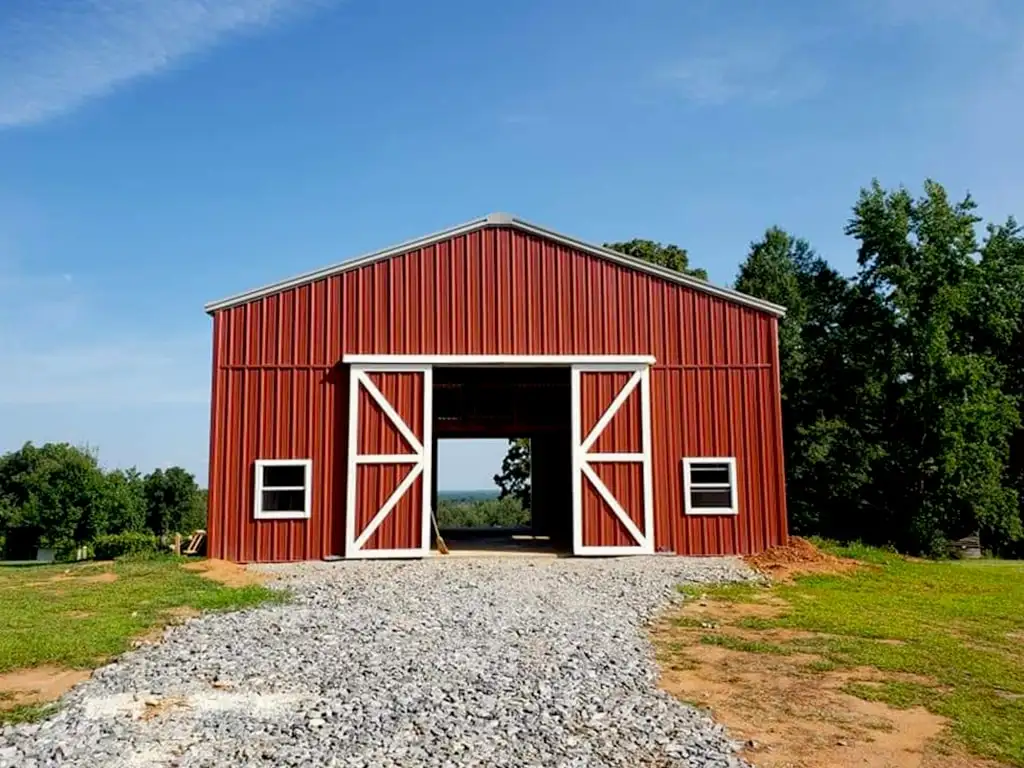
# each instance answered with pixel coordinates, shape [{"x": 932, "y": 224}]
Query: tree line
[
  {"x": 56, "y": 496},
  {"x": 903, "y": 383}
]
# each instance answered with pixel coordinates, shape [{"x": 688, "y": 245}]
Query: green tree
[
  {"x": 514, "y": 478},
  {"x": 1000, "y": 314},
  {"x": 51, "y": 496},
  {"x": 670, "y": 256},
  {"x": 827, "y": 458},
  {"x": 174, "y": 503},
  {"x": 949, "y": 422},
  {"x": 125, "y": 497}
]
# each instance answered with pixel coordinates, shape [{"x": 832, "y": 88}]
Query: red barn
[{"x": 651, "y": 399}]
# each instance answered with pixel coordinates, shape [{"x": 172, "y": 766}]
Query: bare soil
[
  {"x": 228, "y": 574},
  {"x": 154, "y": 707},
  {"x": 38, "y": 684},
  {"x": 791, "y": 711},
  {"x": 798, "y": 557},
  {"x": 105, "y": 577}
]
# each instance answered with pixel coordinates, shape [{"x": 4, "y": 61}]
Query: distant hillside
[{"x": 484, "y": 495}]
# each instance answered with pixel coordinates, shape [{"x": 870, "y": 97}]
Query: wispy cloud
[
  {"x": 57, "y": 55},
  {"x": 752, "y": 71}
]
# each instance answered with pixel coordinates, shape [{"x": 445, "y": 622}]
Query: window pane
[
  {"x": 709, "y": 473},
  {"x": 284, "y": 501},
  {"x": 283, "y": 476},
  {"x": 705, "y": 498}
]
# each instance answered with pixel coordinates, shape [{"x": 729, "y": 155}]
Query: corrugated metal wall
[
  {"x": 623, "y": 434},
  {"x": 279, "y": 390},
  {"x": 402, "y": 528}
]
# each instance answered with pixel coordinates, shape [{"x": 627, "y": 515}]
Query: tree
[
  {"x": 173, "y": 502},
  {"x": 125, "y": 497},
  {"x": 1000, "y": 315},
  {"x": 514, "y": 478},
  {"x": 670, "y": 256},
  {"x": 949, "y": 423},
  {"x": 50, "y": 496}
]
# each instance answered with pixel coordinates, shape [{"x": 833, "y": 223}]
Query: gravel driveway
[{"x": 446, "y": 662}]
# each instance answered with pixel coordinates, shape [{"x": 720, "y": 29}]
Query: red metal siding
[
  {"x": 279, "y": 389},
  {"x": 623, "y": 434},
  {"x": 402, "y": 528}
]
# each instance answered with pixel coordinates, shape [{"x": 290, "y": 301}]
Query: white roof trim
[{"x": 500, "y": 220}]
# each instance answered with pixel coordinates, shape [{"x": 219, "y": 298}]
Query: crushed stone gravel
[{"x": 441, "y": 662}]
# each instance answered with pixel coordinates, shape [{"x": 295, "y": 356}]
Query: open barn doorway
[{"x": 531, "y": 404}]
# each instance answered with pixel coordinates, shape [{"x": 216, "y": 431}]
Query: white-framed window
[
  {"x": 283, "y": 489},
  {"x": 709, "y": 486}
]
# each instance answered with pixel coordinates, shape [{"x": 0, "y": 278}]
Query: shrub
[
  {"x": 507, "y": 512},
  {"x": 115, "y": 545}
]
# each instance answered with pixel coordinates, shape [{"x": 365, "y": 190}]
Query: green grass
[
  {"x": 59, "y": 615},
  {"x": 959, "y": 625},
  {"x": 734, "y": 643},
  {"x": 730, "y": 593}
]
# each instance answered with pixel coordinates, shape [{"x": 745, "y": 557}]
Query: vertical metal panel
[
  {"x": 623, "y": 432},
  {"x": 624, "y": 481},
  {"x": 601, "y": 528},
  {"x": 279, "y": 390},
  {"x": 402, "y": 527}
]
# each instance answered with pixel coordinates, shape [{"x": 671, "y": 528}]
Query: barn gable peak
[{"x": 505, "y": 220}]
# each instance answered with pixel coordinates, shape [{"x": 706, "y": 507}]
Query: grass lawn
[
  {"x": 67, "y": 617},
  {"x": 947, "y": 636}
]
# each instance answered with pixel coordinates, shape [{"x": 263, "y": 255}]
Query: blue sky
[{"x": 157, "y": 154}]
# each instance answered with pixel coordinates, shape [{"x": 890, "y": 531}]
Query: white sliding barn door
[
  {"x": 389, "y": 462},
  {"x": 611, "y": 460}
]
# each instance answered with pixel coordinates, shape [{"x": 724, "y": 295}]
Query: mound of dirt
[
  {"x": 228, "y": 574},
  {"x": 798, "y": 557}
]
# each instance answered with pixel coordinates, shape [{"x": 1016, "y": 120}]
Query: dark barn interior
[{"x": 493, "y": 402}]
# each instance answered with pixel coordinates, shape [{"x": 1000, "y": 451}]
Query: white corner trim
[
  {"x": 380, "y": 362},
  {"x": 259, "y": 513},
  {"x": 732, "y": 485}
]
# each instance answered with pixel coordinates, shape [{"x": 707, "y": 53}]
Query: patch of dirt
[
  {"x": 154, "y": 707},
  {"x": 79, "y": 614},
  {"x": 38, "y": 685},
  {"x": 228, "y": 574},
  {"x": 181, "y": 613},
  {"x": 797, "y": 558},
  {"x": 792, "y": 720},
  {"x": 764, "y": 607},
  {"x": 106, "y": 577},
  {"x": 791, "y": 709}
]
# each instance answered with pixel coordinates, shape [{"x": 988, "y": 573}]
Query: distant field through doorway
[{"x": 467, "y": 495}]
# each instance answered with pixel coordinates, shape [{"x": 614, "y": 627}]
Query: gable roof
[{"x": 507, "y": 221}]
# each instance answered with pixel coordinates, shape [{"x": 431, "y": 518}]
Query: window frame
[
  {"x": 257, "y": 504},
  {"x": 690, "y": 462}
]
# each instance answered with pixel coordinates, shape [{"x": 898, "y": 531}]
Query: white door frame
[
  {"x": 423, "y": 460},
  {"x": 583, "y": 457}
]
